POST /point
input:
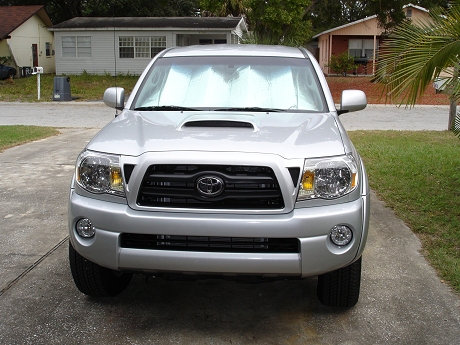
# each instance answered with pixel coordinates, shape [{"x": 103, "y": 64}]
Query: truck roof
[{"x": 235, "y": 50}]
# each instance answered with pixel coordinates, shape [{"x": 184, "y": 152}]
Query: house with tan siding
[
  {"x": 125, "y": 45},
  {"x": 24, "y": 37},
  {"x": 361, "y": 39}
]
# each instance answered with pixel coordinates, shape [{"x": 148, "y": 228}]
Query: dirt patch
[{"x": 374, "y": 91}]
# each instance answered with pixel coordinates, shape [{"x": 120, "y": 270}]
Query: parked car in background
[
  {"x": 7, "y": 72},
  {"x": 226, "y": 161}
]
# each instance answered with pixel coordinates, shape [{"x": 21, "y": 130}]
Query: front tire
[
  {"x": 94, "y": 280},
  {"x": 340, "y": 288}
]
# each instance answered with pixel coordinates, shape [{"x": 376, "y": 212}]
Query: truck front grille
[
  {"x": 242, "y": 187},
  {"x": 210, "y": 243}
]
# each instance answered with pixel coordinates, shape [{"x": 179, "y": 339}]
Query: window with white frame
[
  {"x": 83, "y": 46},
  {"x": 76, "y": 46},
  {"x": 158, "y": 44},
  {"x": 140, "y": 46},
  {"x": 69, "y": 46},
  {"x": 126, "y": 47},
  {"x": 360, "y": 48},
  {"x": 48, "y": 49}
]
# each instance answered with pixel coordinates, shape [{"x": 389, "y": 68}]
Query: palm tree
[{"x": 415, "y": 55}]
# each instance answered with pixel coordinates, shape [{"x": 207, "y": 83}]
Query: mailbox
[{"x": 37, "y": 70}]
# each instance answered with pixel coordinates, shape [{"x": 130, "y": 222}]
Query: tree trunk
[
  {"x": 453, "y": 103},
  {"x": 452, "y": 114}
]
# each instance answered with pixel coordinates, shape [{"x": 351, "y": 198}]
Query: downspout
[
  {"x": 329, "y": 53},
  {"x": 375, "y": 53},
  {"x": 453, "y": 105},
  {"x": 39, "y": 52}
]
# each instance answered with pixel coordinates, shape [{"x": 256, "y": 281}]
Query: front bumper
[{"x": 317, "y": 254}]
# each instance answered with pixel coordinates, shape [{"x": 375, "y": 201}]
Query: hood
[{"x": 289, "y": 135}]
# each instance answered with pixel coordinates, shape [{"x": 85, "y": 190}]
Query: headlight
[
  {"x": 99, "y": 173},
  {"x": 328, "y": 178}
]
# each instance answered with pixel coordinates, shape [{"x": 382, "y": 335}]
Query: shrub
[{"x": 342, "y": 63}]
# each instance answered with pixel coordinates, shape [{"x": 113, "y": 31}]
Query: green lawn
[
  {"x": 84, "y": 87},
  {"x": 418, "y": 175},
  {"x": 15, "y": 135}
]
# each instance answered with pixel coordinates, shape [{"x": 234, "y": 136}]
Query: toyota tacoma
[{"x": 225, "y": 161}]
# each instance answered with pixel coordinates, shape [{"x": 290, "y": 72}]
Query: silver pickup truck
[{"x": 226, "y": 161}]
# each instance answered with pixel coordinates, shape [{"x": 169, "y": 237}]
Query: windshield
[{"x": 231, "y": 83}]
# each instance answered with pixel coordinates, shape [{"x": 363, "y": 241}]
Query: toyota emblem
[{"x": 210, "y": 185}]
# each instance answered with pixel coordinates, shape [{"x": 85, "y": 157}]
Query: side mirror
[
  {"x": 352, "y": 100},
  {"x": 114, "y": 97}
]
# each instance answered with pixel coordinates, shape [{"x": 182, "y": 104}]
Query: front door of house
[{"x": 35, "y": 55}]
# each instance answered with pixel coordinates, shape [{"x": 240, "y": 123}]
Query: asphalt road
[{"x": 402, "y": 300}]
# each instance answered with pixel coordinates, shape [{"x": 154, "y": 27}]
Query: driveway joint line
[{"x": 35, "y": 264}]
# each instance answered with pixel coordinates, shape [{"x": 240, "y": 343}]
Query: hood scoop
[{"x": 218, "y": 124}]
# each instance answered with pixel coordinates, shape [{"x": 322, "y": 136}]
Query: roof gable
[
  {"x": 361, "y": 21},
  {"x": 149, "y": 22},
  {"x": 345, "y": 26},
  {"x": 13, "y": 17},
  {"x": 420, "y": 8}
]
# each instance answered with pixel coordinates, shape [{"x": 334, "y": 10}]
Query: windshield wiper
[
  {"x": 165, "y": 108},
  {"x": 267, "y": 110}
]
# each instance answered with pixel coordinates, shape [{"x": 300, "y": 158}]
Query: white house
[
  {"x": 24, "y": 38},
  {"x": 123, "y": 45}
]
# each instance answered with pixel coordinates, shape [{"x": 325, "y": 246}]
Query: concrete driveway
[{"x": 402, "y": 299}]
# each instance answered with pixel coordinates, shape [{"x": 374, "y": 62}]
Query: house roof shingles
[
  {"x": 148, "y": 22},
  {"x": 13, "y": 17}
]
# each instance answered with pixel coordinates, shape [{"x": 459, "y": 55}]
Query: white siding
[
  {"x": 33, "y": 31},
  {"x": 104, "y": 53},
  {"x": 105, "y": 49}
]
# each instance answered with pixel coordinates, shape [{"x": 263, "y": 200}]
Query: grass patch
[
  {"x": 84, "y": 87},
  {"x": 91, "y": 87},
  {"x": 16, "y": 135},
  {"x": 417, "y": 174}
]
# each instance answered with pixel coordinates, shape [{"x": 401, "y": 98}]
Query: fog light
[
  {"x": 341, "y": 235},
  {"x": 85, "y": 228}
]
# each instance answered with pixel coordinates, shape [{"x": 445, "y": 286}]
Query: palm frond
[{"x": 415, "y": 54}]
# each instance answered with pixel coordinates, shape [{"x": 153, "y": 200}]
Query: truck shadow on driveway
[{"x": 214, "y": 310}]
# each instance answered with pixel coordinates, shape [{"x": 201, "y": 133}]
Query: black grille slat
[
  {"x": 245, "y": 187},
  {"x": 210, "y": 243},
  {"x": 191, "y": 177},
  {"x": 171, "y": 193}
]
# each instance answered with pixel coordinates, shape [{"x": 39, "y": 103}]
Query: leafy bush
[{"x": 342, "y": 63}]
